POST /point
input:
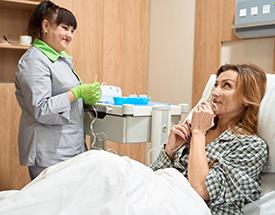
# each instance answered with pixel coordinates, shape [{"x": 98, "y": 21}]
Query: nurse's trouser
[{"x": 34, "y": 171}]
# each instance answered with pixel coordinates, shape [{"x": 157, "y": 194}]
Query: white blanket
[{"x": 101, "y": 183}]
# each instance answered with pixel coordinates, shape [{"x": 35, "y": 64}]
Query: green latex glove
[{"x": 90, "y": 93}]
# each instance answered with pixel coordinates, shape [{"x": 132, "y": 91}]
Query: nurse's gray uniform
[{"x": 51, "y": 128}]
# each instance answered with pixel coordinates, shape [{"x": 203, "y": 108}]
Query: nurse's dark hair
[
  {"x": 51, "y": 12},
  {"x": 250, "y": 86}
]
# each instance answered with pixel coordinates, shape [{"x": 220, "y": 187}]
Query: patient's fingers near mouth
[{"x": 178, "y": 132}]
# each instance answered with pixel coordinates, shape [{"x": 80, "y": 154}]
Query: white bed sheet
[
  {"x": 264, "y": 206},
  {"x": 98, "y": 182}
]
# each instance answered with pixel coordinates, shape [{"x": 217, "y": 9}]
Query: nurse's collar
[{"x": 49, "y": 51}]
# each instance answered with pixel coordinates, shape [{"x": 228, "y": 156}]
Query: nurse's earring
[{"x": 44, "y": 33}]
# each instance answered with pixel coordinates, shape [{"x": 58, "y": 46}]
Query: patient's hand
[
  {"x": 179, "y": 135},
  {"x": 203, "y": 118}
]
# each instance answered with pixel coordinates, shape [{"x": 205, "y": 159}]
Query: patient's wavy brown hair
[{"x": 251, "y": 84}]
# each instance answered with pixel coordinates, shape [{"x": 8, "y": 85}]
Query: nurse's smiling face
[
  {"x": 225, "y": 100},
  {"x": 56, "y": 36}
]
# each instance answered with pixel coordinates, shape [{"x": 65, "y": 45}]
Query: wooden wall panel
[
  {"x": 88, "y": 39},
  {"x": 125, "y": 55},
  {"x": 207, "y": 43},
  {"x": 228, "y": 19},
  {"x": 125, "y": 47},
  {"x": 8, "y": 64},
  {"x": 13, "y": 23},
  {"x": 68, "y": 4},
  {"x": 12, "y": 175}
]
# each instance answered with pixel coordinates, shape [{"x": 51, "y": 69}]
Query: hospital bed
[
  {"x": 140, "y": 123},
  {"x": 266, "y": 129},
  {"x": 133, "y": 124}
]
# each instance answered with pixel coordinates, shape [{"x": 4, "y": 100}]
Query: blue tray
[{"x": 131, "y": 100}]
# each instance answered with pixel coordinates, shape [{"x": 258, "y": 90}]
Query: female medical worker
[
  {"x": 222, "y": 162},
  {"x": 50, "y": 92}
]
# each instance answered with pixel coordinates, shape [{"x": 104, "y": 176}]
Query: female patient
[
  {"x": 222, "y": 161},
  {"x": 218, "y": 152}
]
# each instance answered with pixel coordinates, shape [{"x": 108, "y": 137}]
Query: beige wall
[
  {"x": 171, "y": 50},
  {"x": 257, "y": 51}
]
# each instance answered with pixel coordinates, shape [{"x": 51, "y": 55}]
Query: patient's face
[{"x": 225, "y": 102}]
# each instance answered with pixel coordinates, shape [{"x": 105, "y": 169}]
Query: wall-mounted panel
[{"x": 255, "y": 18}]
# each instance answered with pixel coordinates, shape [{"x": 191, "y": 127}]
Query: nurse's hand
[
  {"x": 90, "y": 93},
  {"x": 180, "y": 134}
]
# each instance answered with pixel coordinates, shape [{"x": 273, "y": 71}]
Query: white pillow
[{"x": 266, "y": 126}]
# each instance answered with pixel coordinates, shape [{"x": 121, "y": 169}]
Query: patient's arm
[
  {"x": 178, "y": 138},
  {"x": 179, "y": 135},
  {"x": 162, "y": 161},
  {"x": 198, "y": 164}
]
